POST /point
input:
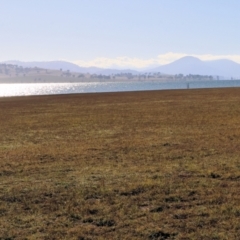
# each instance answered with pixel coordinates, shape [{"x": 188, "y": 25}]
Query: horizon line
[{"x": 138, "y": 63}]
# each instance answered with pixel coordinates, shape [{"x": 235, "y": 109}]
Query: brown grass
[{"x": 143, "y": 165}]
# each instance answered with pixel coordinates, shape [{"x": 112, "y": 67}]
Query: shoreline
[
  {"x": 121, "y": 92},
  {"x": 32, "y": 89}
]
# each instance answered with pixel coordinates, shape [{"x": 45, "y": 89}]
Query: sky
[{"x": 119, "y": 33}]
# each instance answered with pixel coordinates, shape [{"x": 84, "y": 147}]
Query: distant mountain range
[
  {"x": 56, "y": 65},
  {"x": 186, "y": 65},
  {"x": 191, "y": 65}
]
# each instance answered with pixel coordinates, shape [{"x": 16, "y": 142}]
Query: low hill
[{"x": 67, "y": 66}]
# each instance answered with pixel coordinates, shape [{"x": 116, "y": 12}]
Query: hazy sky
[{"x": 134, "y": 33}]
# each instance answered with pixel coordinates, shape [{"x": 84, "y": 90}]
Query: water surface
[{"x": 22, "y": 89}]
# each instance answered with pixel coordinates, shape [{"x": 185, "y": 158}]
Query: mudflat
[{"x": 133, "y": 165}]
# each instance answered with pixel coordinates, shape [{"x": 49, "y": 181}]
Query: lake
[{"x": 22, "y": 89}]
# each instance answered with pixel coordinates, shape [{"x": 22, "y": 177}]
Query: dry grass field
[{"x": 143, "y": 165}]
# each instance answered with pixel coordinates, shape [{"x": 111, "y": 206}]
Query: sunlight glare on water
[{"x": 8, "y": 90}]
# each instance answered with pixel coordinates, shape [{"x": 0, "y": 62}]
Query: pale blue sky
[{"x": 114, "y": 32}]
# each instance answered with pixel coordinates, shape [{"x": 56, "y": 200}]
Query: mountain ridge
[
  {"x": 192, "y": 65},
  {"x": 65, "y": 66},
  {"x": 186, "y": 65}
]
